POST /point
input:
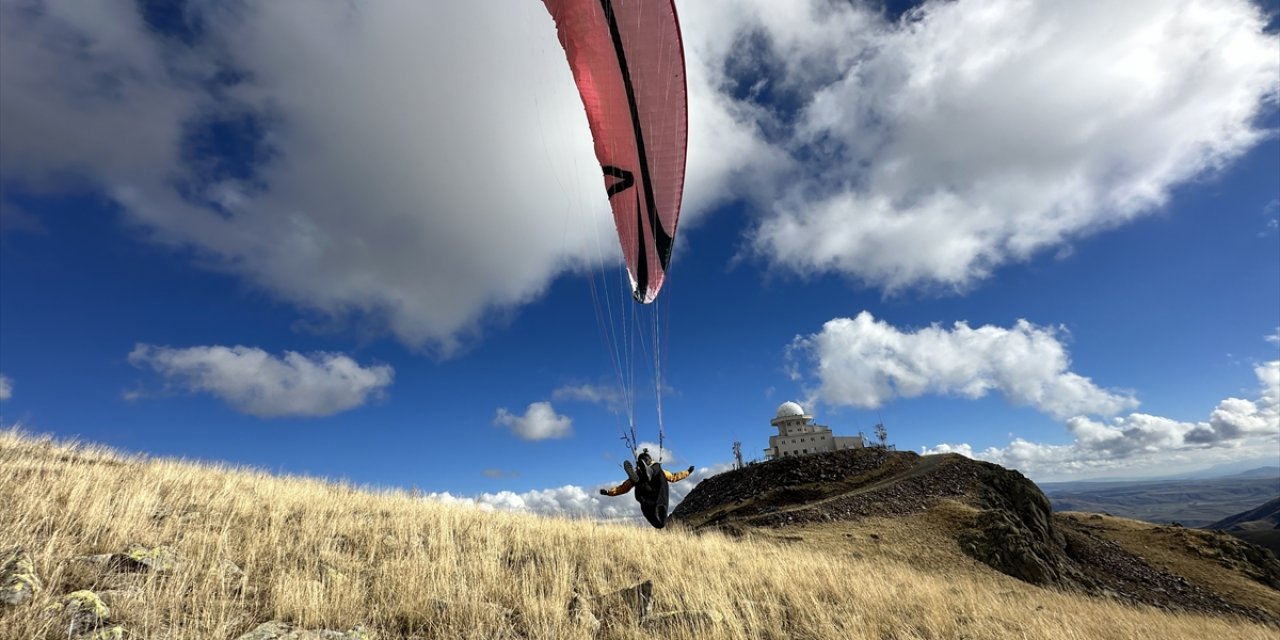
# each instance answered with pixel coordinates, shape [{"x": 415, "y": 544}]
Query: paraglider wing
[{"x": 628, "y": 62}]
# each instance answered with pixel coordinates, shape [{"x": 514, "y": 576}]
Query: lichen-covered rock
[
  {"x": 80, "y": 613},
  {"x": 115, "y": 632},
  {"x": 18, "y": 580},
  {"x": 277, "y": 630},
  {"x": 162, "y": 560}
]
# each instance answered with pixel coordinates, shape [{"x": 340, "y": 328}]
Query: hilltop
[
  {"x": 97, "y": 544},
  {"x": 995, "y": 516}
]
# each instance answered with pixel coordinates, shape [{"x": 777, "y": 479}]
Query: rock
[
  {"x": 18, "y": 579},
  {"x": 162, "y": 560},
  {"x": 1014, "y": 533},
  {"x": 80, "y": 613},
  {"x": 277, "y": 630},
  {"x": 490, "y": 614},
  {"x": 116, "y": 597},
  {"x": 115, "y": 632},
  {"x": 689, "y": 620},
  {"x": 330, "y": 575},
  {"x": 268, "y": 631},
  {"x": 233, "y": 577},
  {"x": 580, "y": 614},
  {"x": 627, "y": 607}
]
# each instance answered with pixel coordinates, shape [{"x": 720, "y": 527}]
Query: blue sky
[{"x": 1044, "y": 236}]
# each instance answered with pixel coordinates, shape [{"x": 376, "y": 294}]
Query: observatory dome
[{"x": 790, "y": 409}]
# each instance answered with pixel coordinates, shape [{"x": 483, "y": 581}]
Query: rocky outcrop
[
  {"x": 1014, "y": 532},
  {"x": 632, "y": 608},
  {"x": 81, "y": 613},
  {"x": 18, "y": 580},
  {"x": 277, "y": 630},
  {"x": 759, "y": 488}
]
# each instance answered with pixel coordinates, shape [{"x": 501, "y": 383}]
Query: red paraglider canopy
[{"x": 628, "y": 61}]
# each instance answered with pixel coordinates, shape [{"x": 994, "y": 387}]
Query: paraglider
[
  {"x": 650, "y": 481},
  {"x": 627, "y": 60}
]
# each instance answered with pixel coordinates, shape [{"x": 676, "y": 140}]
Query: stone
[
  {"x": 580, "y": 614},
  {"x": 277, "y": 630},
  {"x": 627, "y": 607},
  {"x": 80, "y": 613},
  {"x": 233, "y": 577},
  {"x": 115, "y": 632},
  {"x": 161, "y": 560},
  {"x": 686, "y": 620},
  {"x": 117, "y": 597},
  {"x": 18, "y": 580}
]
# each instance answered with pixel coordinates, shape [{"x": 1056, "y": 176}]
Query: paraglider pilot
[{"x": 649, "y": 480}]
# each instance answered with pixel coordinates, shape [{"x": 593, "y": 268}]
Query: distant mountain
[
  {"x": 1260, "y": 472},
  {"x": 1192, "y": 503},
  {"x": 1261, "y": 526},
  {"x": 1266, "y": 516}
]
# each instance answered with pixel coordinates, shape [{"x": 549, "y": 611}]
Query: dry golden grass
[
  {"x": 1186, "y": 552},
  {"x": 325, "y": 555}
]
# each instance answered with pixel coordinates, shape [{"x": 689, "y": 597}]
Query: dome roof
[{"x": 790, "y": 409}]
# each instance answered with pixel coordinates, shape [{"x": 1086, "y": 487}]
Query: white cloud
[
  {"x": 605, "y": 396},
  {"x": 6, "y": 388},
  {"x": 255, "y": 382},
  {"x": 539, "y": 422},
  {"x": 1274, "y": 338},
  {"x": 575, "y": 501},
  {"x": 1236, "y": 429},
  {"x": 420, "y": 177},
  {"x": 979, "y": 132},
  {"x": 864, "y": 362},
  {"x": 406, "y": 170}
]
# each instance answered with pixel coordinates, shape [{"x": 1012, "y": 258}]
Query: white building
[{"x": 798, "y": 435}]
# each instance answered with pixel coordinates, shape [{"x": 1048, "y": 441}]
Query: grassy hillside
[{"x": 244, "y": 547}]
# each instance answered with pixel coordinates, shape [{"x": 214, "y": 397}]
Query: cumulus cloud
[
  {"x": 864, "y": 362},
  {"x": 6, "y": 388},
  {"x": 577, "y": 502},
  {"x": 1235, "y": 429},
  {"x": 539, "y": 422},
  {"x": 379, "y": 159},
  {"x": 386, "y": 157},
  {"x": 979, "y": 132},
  {"x": 255, "y": 382}
]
